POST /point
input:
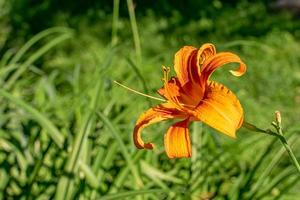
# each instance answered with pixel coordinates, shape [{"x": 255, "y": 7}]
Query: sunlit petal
[
  {"x": 206, "y": 51},
  {"x": 177, "y": 140},
  {"x": 220, "y": 109},
  {"x": 185, "y": 64},
  {"x": 218, "y": 60}
]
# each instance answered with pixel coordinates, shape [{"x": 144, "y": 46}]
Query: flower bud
[{"x": 278, "y": 116}]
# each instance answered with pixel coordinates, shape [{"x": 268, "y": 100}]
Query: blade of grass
[
  {"x": 90, "y": 176},
  {"x": 232, "y": 193},
  {"x": 22, "y": 68},
  {"x": 248, "y": 43},
  {"x": 110, "y": 152},
  {"x": 124, "y": 150},
  {"x": 100, "y": 152},
  {"x": 17, "y": 151},
  {"x": 35, "y": 39},
  {"x": 52, "y": 131},
  {"x": 5, "y": 58},
  {"x": 158, "y": 177},
  {"x": 3, "y": 182},
  {"x": 291, "y": 183},
  {"x": 5, "y": 71},
  {"x": 122, "y": 195},
  {"x": 121, "y": 177},
  {"x": 65, "y": 183},
  {"x": 114, "y": 36},
  {"x": 157, "y": 174},
  {"x": 135, "y": 31},
  {"x": 249, "y": 179},
  {"x": 36, "y": 170},
  {"x": 269, "y": 168},
  {"x": 84, "y": 132},
  {"x": 280, "y": 177}
]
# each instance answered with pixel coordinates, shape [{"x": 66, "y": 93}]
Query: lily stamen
[
  {"x": 139, "y": 93},
  {"x": 173, "y": 98},
  {"x": 146, "y": 95}
]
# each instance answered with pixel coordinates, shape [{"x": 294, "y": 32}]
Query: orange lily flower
[{"x": 191, "y": 96}]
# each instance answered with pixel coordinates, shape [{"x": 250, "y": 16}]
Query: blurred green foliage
[
  {"x": 66, "y": 129},
  {"x": 229, "y": 18}
]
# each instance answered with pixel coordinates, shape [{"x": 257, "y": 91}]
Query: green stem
[
  {"x": 114, "y": 37},
  {"x": 135, "y": 31},
  {"x": 290, "y": 152},
  {"x": 280, "y": 136}
]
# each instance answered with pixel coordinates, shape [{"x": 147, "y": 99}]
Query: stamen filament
[
  {"x": 137, "y": 92},
  {"x": 148, "y": 96},
  {"x": 174, "y": 99}
]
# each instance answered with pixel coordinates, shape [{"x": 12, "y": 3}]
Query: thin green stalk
[
  {"x": 140, "y": 76},
  {"x": 278, "y": 127},
  {"x": 279, "y": 135},
  {"x": 290, "y": 152},
  {"x": 135, "y": 31},
  {"x": 114, "y": 37}
]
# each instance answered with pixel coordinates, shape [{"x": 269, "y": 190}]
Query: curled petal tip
[
  {"x": 149, "y": 146},
  {"x": 206, "y": 50},
  {"x": 141, "y": 145},
  {"x": 240, "y": 71},
  {"x": 153, "y": 115},
  {"x": 236, "y": 73},
  {"x": 218, "y": 60}
]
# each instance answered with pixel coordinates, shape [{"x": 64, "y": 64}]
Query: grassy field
[{"x": 66, "y": 127}]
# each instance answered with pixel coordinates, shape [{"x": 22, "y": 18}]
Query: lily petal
[
  {"x": 155, "y": 114},
  {"x": 188, "y": 72},
  {"x": 206, "y": 50},
  {"x": 220, "y": 109},
  {"x": 177, "y": 140},
  {"x": 218, "y": 60},
  {"x": 185, "y": 64}
]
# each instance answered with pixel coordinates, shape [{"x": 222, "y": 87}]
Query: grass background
[{"x": 66, "y": 128}]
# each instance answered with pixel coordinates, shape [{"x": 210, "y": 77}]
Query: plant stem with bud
[{"x": 279, "y": 134}]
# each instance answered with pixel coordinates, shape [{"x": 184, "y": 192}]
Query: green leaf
[
  {"x": 52, "y": 131},
  {"x": 90, "y": 176},
  {"x": 123, "y": 148}
]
